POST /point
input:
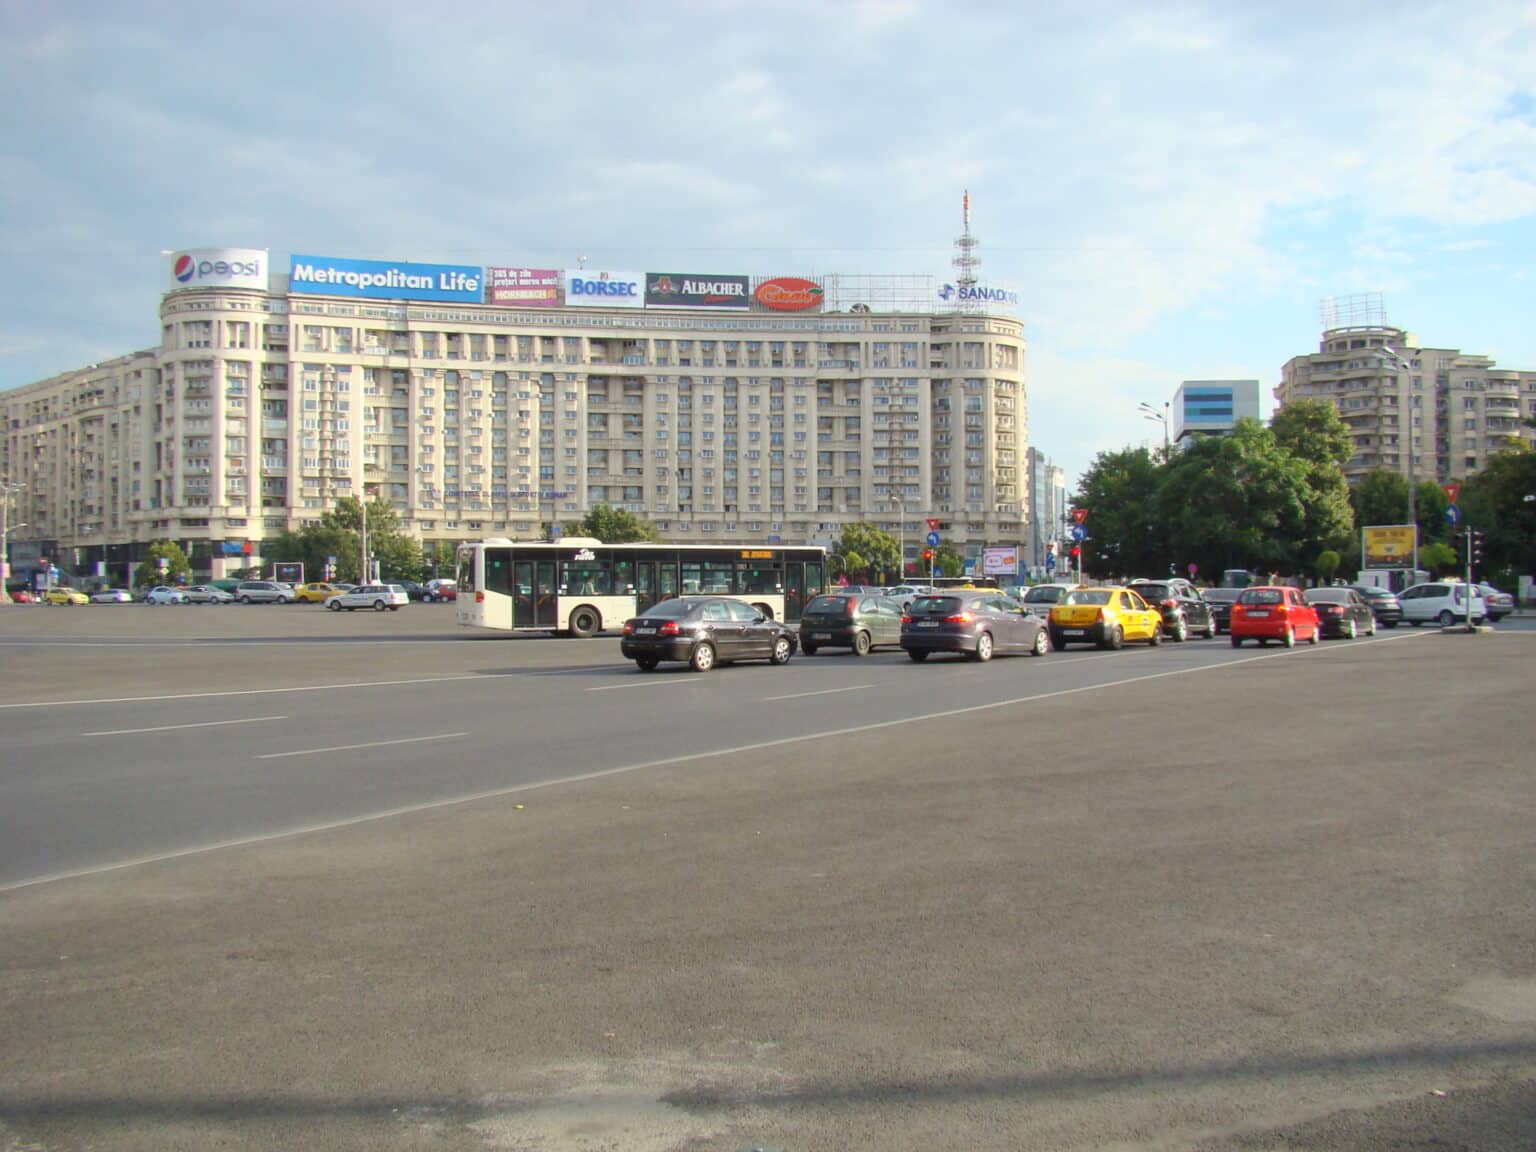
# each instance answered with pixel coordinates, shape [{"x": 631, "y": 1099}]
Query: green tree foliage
[
  {"x": 1124, "y": 536},
  {"x": 1310, "y": 431},
  {"x": 1380, "y": 497},
  {"x": 614, "y": 526},
  {"x": 867, "y": 552},
  {"x": 1430, "y": 511},
  {"x": 336, "y": 534},
  {"x": 1495, "y": 502},
  {"x": 177, "y": 571},
  {"x": 1441, "y": 559},
  {"x": 1327, "y": 564},
  {"x": 947, "y": 560}
]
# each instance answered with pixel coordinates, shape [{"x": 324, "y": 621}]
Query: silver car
[
  {"x": 262, "y": 592},
  {"x": 207, "y": 594}
]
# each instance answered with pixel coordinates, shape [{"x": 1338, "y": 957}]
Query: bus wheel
[{"x": 585, "y": 623}]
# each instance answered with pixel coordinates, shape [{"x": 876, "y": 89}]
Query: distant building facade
[
  {"x": 1212, "y": 407},
  {"x": 1047, "y": 507}
]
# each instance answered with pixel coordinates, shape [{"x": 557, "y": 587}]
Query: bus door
[
  {"x": 794, "y": 589},
  {"x": 545, "y": 613},
  {"x": 666, "y": 580},
  {"x": 645, "y": 585},
  {"x": 522, "y": 594}
]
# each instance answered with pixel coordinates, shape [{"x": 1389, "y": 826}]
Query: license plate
[
  {"x": 821, "y": 635},
  {"x": 1257, "y": 615},
  {"x": 645, "y": 627},
  {"x": 1072, "y": 631},
  {"x": 927, "y": 623}
]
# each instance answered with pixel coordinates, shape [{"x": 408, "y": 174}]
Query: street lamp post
[
  {"x": 1401, "y": 365},
  {"x": 901, "y": 545},
  {"x": 6, "y": 488},
  {"x": 1150, "y": 413}
]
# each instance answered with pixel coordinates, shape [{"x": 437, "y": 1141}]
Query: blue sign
[
  {"x": 1050, "y": 562},
  {"x": 933, "y": 538},
  {"x": 330, "y": 559},
  {"x": 383, "y": 280},
  {"x": 1079, "y": 532},
  {"x": 1452, "y": 514}
]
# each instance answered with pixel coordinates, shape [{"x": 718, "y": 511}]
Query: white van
[{"x": 1442, "y": 602}]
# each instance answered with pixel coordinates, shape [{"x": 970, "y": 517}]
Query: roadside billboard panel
[
  {"x": 1387, "y": 546},
  {"x": 1000, "y": 561}
]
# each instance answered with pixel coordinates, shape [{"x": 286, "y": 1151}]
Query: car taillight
[
  {"x": 960, "y": 618},
  {"x": 629, "y": 627},
  {"x": 668, "y": 628},
  {"x": 1333, "y": 609},
  {"x": 1103, "y": 616},
  {"x": 479, "y": 597},
  {"x": 1170, "y": 603},
  {"x": 905, "y": 619}
]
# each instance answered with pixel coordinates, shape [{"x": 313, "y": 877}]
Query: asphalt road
[{"x": 1174, "y": 898}]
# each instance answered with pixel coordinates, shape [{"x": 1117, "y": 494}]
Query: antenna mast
[{"x": 966, "y": 261}]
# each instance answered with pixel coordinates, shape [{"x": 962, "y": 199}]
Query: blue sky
[{"x": 1172, "y": 188}]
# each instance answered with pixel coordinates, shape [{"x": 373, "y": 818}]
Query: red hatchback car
[{"x": 1268, "y": 612}]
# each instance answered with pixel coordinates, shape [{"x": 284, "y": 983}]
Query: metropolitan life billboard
[{"x": 386, "y": 280}]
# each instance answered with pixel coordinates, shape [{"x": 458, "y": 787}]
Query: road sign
[
  {"x": 1079, "y": 515},
  {"x": 1452, "y": 513},
  {"x": 1452, "y": 491},
  {"x": 1193, "y": 568},
  {"x": 933, "y": 539},
  {"x": 933, "y": 525},
  {"x": 1050, "y": 561},
  {"x": 1079, "y": 532}
]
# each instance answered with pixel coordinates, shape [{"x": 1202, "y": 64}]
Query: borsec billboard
[
  {"x": 219, "y": 268},
  {"x": 692, "y": 290},
  {"x": 385, "y": 280},
  {"x": 592, "y": 288},
  {"x": 523, "y": 287}
]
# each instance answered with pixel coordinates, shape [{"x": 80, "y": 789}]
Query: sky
[{"x": 1173, "y": 189}]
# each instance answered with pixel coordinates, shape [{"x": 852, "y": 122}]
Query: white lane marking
[
  {"x": 174, "y": 727},
  {"x": 250, "y": 691},
  {"x": 624, "y": 769},
  {"x": 660, "y": 682},
  {"x": 823, "y": 692},
  {"x": 353, "y": 747}
]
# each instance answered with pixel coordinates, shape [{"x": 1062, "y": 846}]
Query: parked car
[
  {"x": 1039, "y": 600},
  {"x": 439, "y": 591},
  {"x": 1500, "y": 604},
  {"x": 977, "y": 623},
  {"x": 1383, "y": 603},
  {"x": 207, "y": 594},
  {"x": 262, "y": 592},
  {"x": 164, "y": 594},
  {"x": 861, "y": 621},
  {"x": 317, "y": 592},
  {"x": 111, "y": 596},
  {"x": 902, "y": 594},
  {"x": 413, "y": 590},
  {"x": 1107, "y": 617},
  {"x": 1184, "y": 609},
  {"x": 1442, "y": 602},
  {"x": 67, "y": 596},
  {"x": 1266, "y": 612},
  {"x": 1342, "y": 612},
  {"x": 703, "y": 631},
  {"x": 1220, "y": 601},
  {"x": 375, "y": 596},
  {"x": 23, "y": 596}
]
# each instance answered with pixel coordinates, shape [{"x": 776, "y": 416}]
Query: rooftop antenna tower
[{"x": 966, "y": 261}]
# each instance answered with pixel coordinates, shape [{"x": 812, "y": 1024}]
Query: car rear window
[
  {"x": 1222, "y": 595},
  {"x": 829, "y": 605},
  {"x": 1151, "y": 591},
  {"x": 1043, "y": 595},
  {"x": 1328, "y": 596},
  {"x": 1086, "y": 596},
  {"x": 669, "y": 609},
  {"x": 1262, "y": 596},
  {"x": 935, "y": 606}
]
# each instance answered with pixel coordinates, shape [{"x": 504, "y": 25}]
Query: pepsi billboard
[
  {"x": 219, "y": 268},
  {"x": 385, "y": 280}
]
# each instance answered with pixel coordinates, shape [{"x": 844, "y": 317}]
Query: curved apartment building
[{"x": 493, "y": 401}]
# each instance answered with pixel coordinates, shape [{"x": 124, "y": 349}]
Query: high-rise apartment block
[
  {"x": 496, "y": 401},
  {"x": 1457, "y": 407}
]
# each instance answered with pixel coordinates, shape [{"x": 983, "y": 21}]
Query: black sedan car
[
  {"x": 860, "y": 621},
  {"x": 702, "y": 631},
  {"x": 977, "y": 623},
  {"x": 1184, "y": 609},
  {"x": 1384, "y": 604},
  {"x": 1220, "y": 601},
  {"x": 1342, "y": 612}
]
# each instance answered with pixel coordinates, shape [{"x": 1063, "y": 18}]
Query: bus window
[
  {"x": 584, "y": 578},
  {"x": 498, "y": 571},
  {"x": 760, "y": 578},
  {"x": 707, "y": 577},
  {"x": 623, "y": 577},
  {"x": 466, "y": 580}
]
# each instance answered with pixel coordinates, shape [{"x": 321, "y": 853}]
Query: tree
[
  {"x": 865, "y": 551},
  {"x": 336, "y": 534},
  {"x": 947, "y": 560},
  {"x": 1124, "y": 536},
  {"x": 1380, "y": 497},
  {"x": 1327, "y": 564},
  {"x": 615, "y": 526},
  {"x": 1498, "y": 502},
  {"x": 1441, "y": 559},
  {"x": 177, "y": 569},
  {"x": 1310, "y": 431}
]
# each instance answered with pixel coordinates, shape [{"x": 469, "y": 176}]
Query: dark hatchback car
[
  {"x": 860, "y": 621},
  {"x": 1220, "y": 601},
  {"x": 976, "y": 623},
  {"x": 1342, "y": 612},
  {"x": 1184, "y": 610},
  {"x": 1384, "y": 604},
  {"x": 702, "y": 631}
]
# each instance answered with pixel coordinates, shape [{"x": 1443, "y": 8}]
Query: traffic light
[
  {"x": 927, "y": 553},
  {"x": 1076, "y": 552},
  {"x": 1474, "y": 546}
]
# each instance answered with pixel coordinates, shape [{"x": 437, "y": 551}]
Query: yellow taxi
[
  {"x": 316, "y": 593},
  {"x": 65, "y": 596},
  {"x": 1107, "y": 617}
]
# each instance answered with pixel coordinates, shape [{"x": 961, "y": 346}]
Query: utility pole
[{"x": 6, "y": 488}]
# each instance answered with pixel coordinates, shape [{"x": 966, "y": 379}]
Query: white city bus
[{"x": 581, "y": 586}]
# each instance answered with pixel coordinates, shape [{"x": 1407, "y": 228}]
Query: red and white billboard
[
  {"x": 523, "y": 287},
  {"x": 788, "y": 294}
]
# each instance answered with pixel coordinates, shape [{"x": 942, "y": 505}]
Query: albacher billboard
[{"x": 694, "y": 290}]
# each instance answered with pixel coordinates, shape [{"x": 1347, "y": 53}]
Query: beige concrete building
[
  {"x": 1460, "y": 407},
  {"x": 262, "y": 407}
]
